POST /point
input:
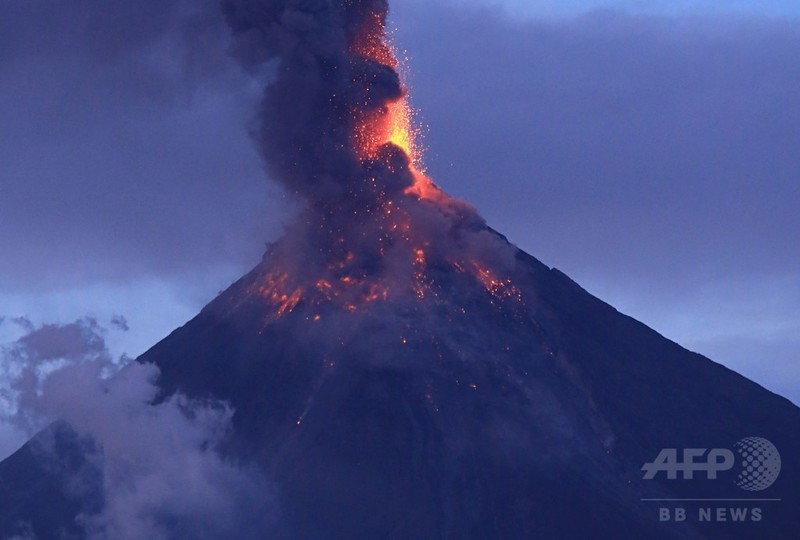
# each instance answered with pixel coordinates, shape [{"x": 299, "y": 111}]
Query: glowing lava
[
  {"x": 388, "y": 246},
  {"x": 401, "y": 131},
  {"x": 395, "y": 123}
]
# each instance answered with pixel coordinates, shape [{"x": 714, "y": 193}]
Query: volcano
[
  {"x": 399, "y": 370},
  {"x": 476, "y": 410}
]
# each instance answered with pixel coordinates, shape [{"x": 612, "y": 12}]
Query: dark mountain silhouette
[{"x": 466, "y": 413}]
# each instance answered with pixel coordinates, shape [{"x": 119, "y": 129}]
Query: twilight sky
[{"x": 651, "y": 150}]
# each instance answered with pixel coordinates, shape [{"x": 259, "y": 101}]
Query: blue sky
[
  {"x": 650, "y": 153},
  {"x": 780, "y": 8}
]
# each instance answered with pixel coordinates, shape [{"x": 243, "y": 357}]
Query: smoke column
[
  {"x": 334, "y": 73},
  {"x": 334, "y": 128}
]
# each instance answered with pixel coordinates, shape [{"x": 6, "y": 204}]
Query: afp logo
[{"x": 757, "y": 467}]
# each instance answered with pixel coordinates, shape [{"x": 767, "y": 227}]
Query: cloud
[
  {"x": 162, "y": 476},
  {"x": 120, "y": 322},
  {"x": 23, "y": 322}
]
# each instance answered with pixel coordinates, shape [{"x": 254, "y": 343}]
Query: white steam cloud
[{"x": 158, "y": 463}]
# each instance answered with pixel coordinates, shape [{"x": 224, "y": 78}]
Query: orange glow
[
  {"x": 346, "y": 284},
  {"x": 393, "y": 124},
  {"x": 323, "y": 285},
  {"x": 424, "y": 188},
  {"x": 402, "y": 132},
  {"x": 276, "y": 288},
  {"x": 374, "y": 43},
  {"x": 350, "y": 293},
  {"x": 289, "y": 302},
  {"x": 376, "y": 293},
  {"x": 497, "y": 287}
]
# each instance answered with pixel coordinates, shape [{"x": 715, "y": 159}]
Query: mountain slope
[{"x": 472, "y": 414}]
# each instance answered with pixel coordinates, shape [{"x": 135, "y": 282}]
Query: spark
[{"x": 396, "y": 122}]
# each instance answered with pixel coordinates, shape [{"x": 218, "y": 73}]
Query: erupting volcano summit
[{"x": 336, "y": 129}]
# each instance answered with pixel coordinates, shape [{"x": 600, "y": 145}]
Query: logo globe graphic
[{"x": 761, "y": 463}]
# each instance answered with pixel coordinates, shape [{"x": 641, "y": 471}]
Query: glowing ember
[
  {"x": 393, "y": 124},
  {"x": 424, "y": 188},
  {"x": 403, "y": 133},
  {"x": 348, "y": 292},
  {"x": 497, "y": 287},
  {"x": 277, "y": 290}
]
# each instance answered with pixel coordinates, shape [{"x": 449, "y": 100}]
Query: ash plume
[
  {"x": 334, "y": 128},
  {"x": 324, "y": 84}
]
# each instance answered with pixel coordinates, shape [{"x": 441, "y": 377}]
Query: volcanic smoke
[{"x": 335, "y": 128}]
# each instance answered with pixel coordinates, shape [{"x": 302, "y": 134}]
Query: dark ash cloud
[{"x": 324, "y": 84}]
